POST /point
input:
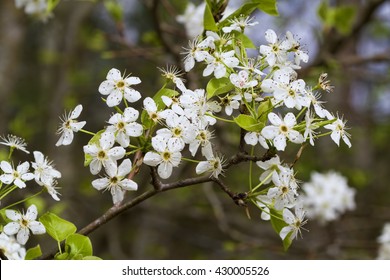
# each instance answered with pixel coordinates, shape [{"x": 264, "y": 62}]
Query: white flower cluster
[
  {"x": 44, "y": 174},
  {"x": 327, "y": 196},
  {"x": 16, "y": 233},
  {"x": 262, "y": 95},
  {"x": 384, "y": 241}
]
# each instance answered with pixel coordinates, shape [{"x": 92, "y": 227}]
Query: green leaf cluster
[{"x": 77, "y": 246}]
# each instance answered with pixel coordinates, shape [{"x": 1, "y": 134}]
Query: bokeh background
[{"x": 46, "y": 68}]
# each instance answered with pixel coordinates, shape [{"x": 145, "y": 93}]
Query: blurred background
[{"x": 49, "y": 67}]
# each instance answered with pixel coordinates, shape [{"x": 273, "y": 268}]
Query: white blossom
[
  {"x": 338, "y": 131},
  {"x": 22, "y": 224},
  {"x": 118, "y": 87},
  {"x": 281, "y": 130},
  {"x": 294, "y": 222},
  {"x": 104, "y": 154},
  {"x": 164, "y": 157},
  {"x": 123, "y": 126},
  {"x": 14, "y": 142},
  {"x": 241, "y": 80},
  {"x": 239, "y": 24},
  {"x": 274, "y": 52},
  {"x": 18, "y": 176},
  {"x": 327, "y": 196},
  {"x": 218, "y": 63},
  {"x": 44, "y": 171},
  {"x": 11, "y": 248},
  {"x": 116, "y": 181},
  {"x": 70, "y": 125}
]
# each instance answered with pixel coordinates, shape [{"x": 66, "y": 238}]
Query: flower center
[
  {"x": 120, "y": 125},
  {"x": 120, "y": 84},
  {"x": 177, "y": 131},
  {"x": 15, "y": 174},
  {"x": 24, "y": 222},
  {"x": 101, "y": 155},
  {"x": 166, "y": 156},
  {"x": 114, "y": 180},
  {"x": 202, "y": 136},
  {"x": 67, "y": 124},
  {"x": 153, "y": 116},
  {"x": 284, "y": 190},
  {"x": 283, "y": 128}
]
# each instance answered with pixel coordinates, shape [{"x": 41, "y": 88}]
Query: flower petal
[{"x": 32, "y": 213}]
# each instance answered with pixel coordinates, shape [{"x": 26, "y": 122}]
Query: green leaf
[
  {"x": 94, "y": 141},
  {"x": 78, "y": 246},
  {"x": 278, "y": 223},
  {"x": 62, "y": 257},
  {"x": 33, "y": 253},
  {"x": 91, "y": 258},
  {"x": 245, "y": 41},
  {"x": 248, "y": 123},
  {"x": 57, "y": 227},
  {"x": 267, "y": 6},
  {"x": 218, "y": 86},
  {"x": 262, "y": 111},
  {"x": 208, "y": 19},
  {"x": 146, "y": 121}
]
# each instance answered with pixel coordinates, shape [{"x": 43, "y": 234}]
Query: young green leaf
[
  {"x": 33, "y": 253},
  {"x": 248, "y": 123},
  {"x": 264, "y": 108},
  {"x": 278, "y": 223},
  {"x": 245, "y": 41},
  {"x": 208, "y": 19},
  {"x": 218, "y": 86},
  {"x": 57, "y": 227},
  {"x": 78, "y": 246}
]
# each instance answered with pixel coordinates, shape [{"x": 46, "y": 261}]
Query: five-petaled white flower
[
  {"x": 124, "y": 126},
  {"x": 116, "y": 182},
  {"x": 104, "y": 154},
  {"x": 213, "y": 164},
  {"x": 272, "y": 166},
  {"x": 274, "y": 52},
  {"x": 117, "y": 87},
  {"x": 280, "y": 130},
  {"x": 44, "y": 172},
  {"x": 164, "y": 157},
  {"x": 241, "y": 80},
  {"x": 338, "y": 131},
  {"x": 70, "y": 125},
  {"x": 294, "y": 222},
  {"x": 218, "y": 63},
  {"x": 22, "y": 224},
  {"x": 18, "y": 175}
]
